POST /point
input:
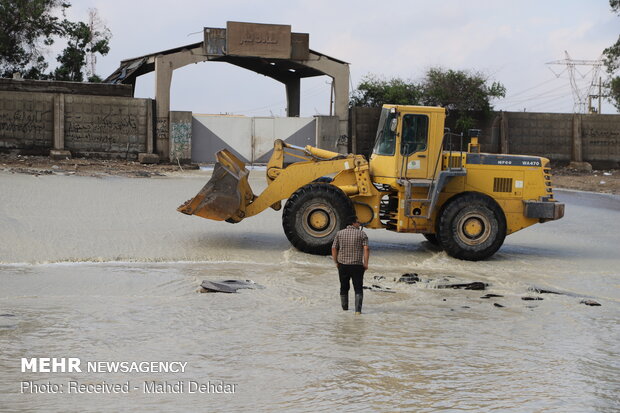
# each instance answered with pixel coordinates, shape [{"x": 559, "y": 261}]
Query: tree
[
  {"x": 26, "y": 25},
  {"x": 460, "y": 90},
  {"x": 612, "y": 62},
  {"x": 375, "y": 91},
  {"x": 82, "y": 41},
  {"x": 457, "y": 90}
]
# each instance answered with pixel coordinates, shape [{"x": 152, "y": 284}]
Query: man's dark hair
[{"x": 353, "y": 220}]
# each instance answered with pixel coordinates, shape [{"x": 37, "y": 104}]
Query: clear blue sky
[{"x": 510, "y": 41}]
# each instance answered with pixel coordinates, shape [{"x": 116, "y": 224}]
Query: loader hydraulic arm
[
  {"x": 228, "y": 196},
  {"x": 284, "y": 180}
]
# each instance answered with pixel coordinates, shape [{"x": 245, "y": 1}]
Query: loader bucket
[{"x": 226, "y": 194}]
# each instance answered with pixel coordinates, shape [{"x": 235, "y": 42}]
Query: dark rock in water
[
  {"x": 498, "y": 305},
  {"x": 491, "y": 296},
  {"x": 531, "y": 298},
  {"x": 465, "y": 306},
  {"x": 591, "y": 303},
  {"x": 476, "y": 285},
  {"x": 378, "y": 277},
  {"x": 228, "y": 286},
  {"x": 7, "y": 315},
  {"x": 409, "y": 278}
]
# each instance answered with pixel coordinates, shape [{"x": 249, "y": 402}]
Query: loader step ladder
[{"x": 435, "y": 186}]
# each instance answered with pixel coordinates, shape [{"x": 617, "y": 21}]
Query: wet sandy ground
[{"x": 106, "y": 269}]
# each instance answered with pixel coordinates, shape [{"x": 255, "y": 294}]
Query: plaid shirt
[{"x": 350, "y": 244}]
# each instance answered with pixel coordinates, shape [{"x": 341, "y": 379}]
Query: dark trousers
[{"x": 353, "y": 272}]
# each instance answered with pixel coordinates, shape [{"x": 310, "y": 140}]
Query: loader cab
[{"x": 407, "y": 143}]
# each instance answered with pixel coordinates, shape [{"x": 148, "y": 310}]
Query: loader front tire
[
  {"x": 313, "y": 215},
  {"x": 472, "y": 227},
  {"x": 432, "y": 238}
]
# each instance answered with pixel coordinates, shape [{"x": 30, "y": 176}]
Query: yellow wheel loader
[{"x": 465, "y": 202}]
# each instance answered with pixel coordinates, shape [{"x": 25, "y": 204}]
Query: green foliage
[
  {"x": 27, "y": 27},
  {"x": 612, "y": 62},
  {"x": 81, "y": 41},
  {"x": 456, "y": 90},
  {"x": 460, "y": 90},
  {"x": 375, "y": 91},
  {"x": 614, "y": 91}
]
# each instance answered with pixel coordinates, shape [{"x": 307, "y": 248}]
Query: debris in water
[
  {"x": 591, "y": 303},
  {"x": 476, "y": 285},
  {"x": 543, "y": 291},
  {"x": 498, "y": 305},
  {"x": 531, "y": 298},
  {"x": 409, "y": 278},
  {"x": 491, "y": 296},
  {"x": 227, "y": 286},
  {"x": 378, "y": 289}
]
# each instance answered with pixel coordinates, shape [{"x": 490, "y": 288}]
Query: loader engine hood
[{"x": 505, "y": 160}]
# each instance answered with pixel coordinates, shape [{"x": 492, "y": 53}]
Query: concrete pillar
[
  {"x": 341, "y": 101},
  {"x": 340, "y": 73},
  {"x": 149, "y": 126},
  {"x": 577, "y": 151},
  {"x": 58, "y": 151},
  {"x": 163, "y": 80},
  {"x": 59, "y": 121},
  {"x": 293, "y": 91},
  {"x": 504, "y": 147}
]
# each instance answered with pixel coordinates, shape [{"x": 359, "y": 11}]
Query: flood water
[{"x": 107, "y": 270}]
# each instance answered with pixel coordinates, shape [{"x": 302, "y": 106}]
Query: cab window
[
  {"x": 414, "y": 134},
  {"x": 386, "y": 134}
]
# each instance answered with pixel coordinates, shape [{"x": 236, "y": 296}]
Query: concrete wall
[
  {"x": 87, "y": 125},
  {"x": 328, "y": 134},
  {"x": 543, "y": 134},
  {"x": 106, "y": 126},
  {"x": 363, "y": 129},
  {"x": 181, "y": 136},
  {"x": 26, "y": 122},
  {"x": 600, "y": 135}
]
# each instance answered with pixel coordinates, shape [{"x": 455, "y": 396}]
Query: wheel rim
[
  {"x": 473, "y": 228},
  {"x": 318, "y": 220}
]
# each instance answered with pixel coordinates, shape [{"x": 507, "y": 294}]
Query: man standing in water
[{"x": 350, "y": 252}]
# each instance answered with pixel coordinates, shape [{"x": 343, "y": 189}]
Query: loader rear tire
[
  {"x": 472, "y": 227},
  {"x": 313, "y": 215}
]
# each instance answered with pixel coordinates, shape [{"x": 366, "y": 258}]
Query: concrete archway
[{"x": 217, "y": 46}]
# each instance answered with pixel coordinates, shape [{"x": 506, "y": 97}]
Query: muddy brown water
[{"x": 107, "y": 270}]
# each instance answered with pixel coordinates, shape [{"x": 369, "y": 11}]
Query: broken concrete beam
[
  {"x": 59, "y": 154},
  {"x": 148, "y": 158}
]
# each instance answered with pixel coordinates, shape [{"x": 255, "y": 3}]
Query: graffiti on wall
[
  {"x": 162, "y": 128},
  {"x": 22, "y": 121},
  {"x": 107, "y": 129},
  {"x": 180, "y": 134}
]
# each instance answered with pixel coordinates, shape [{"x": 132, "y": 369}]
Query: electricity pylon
[{"x": 580, "y": 96}]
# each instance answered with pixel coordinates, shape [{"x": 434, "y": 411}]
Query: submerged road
[{"x": 107, "y": 270}]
